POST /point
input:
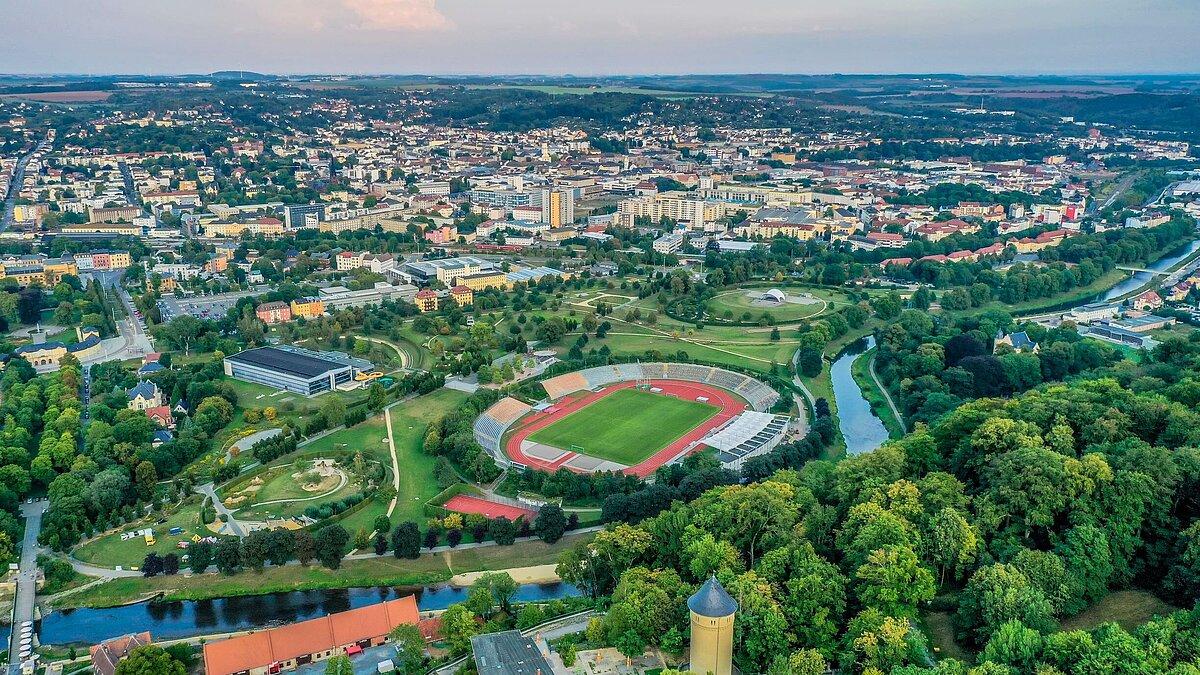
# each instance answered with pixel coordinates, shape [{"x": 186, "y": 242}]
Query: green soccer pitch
[{"x": 627, "y": 426}]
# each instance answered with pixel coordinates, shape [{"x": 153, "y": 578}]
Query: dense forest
[{"x": 1013, "y": 514}]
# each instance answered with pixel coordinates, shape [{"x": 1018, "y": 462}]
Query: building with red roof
[{"x": 297, "y": 644}]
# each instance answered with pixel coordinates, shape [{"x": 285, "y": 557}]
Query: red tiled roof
[{"x": 277, "y": 645}]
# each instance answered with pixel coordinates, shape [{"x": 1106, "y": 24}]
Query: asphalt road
[
  {"x": 18, "y": 179},
  {"x": 26, "y": 578}
]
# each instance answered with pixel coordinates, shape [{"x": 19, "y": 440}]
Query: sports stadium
[{"x": 634, "y": 418}]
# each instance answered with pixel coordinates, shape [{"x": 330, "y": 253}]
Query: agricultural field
[{"x": 627, "y": 426}]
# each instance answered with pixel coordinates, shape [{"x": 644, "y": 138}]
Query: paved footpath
[{"x": 26, "y": 598}]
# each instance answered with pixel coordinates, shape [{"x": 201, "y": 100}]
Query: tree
[
  {"x": 150, "y": 660},
  {"x": 151, "y": 565},
  {"x": 802, "y": 662},
  {"x": 145, "y": 477},
  {"x": 339, "y": 664},
  {"x": 381, "y": 543},
  {"x": 255, "y": 549},
  {"x": 809, "y": 362},
  {"x": 502, "y": 531},
  {"x": 458, "y": 627},
  {"x": 893, "y": 581},
  {"x": 996, "y": 594},
  {"x": 376, "y": 396},
  {"x": 1014, "y": 645},
  {"x": 333, "y": 411},
  {"x": 330, "y": 545},
  {"x": 551, "y": 523},
  {"x": 200, "y": 555},
  {"x": 229, "y": 556},
  {"x": 631, "y": 645},
  {"x": 306, "y": 546},
  {"x": 952, "y": 543},
  {"x": 170, "y": 564},
  {"x": 410, "y": 648},
  {"x": 406, "y": 541},
  {"x": 281, "y": 546}
]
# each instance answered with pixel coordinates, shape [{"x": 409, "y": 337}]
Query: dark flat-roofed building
[
  {"x": 508, "y": 653},
  {"x": 302, "y": 371}
]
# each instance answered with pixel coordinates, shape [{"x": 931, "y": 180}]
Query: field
[
  {"x": 627, "y": 426},
  {"x": 373, "y": 571},
  {"x": 110, "y": 550},
  {"x": 734, "y": 304}
]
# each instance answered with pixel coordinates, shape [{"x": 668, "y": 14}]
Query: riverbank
[
  {"x": 369, "y": 572},
  {"x": 533, "y": 574},
  {"x": 873, "y": 393}
]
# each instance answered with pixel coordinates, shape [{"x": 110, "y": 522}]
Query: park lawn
[
  {"x": 627, "y": 426},
  {"x": 370, "y": 437},
  {"x": 110, "y": 550},
  {"x": 739, "y": 301},
  {"x": 410, "y": 420},
  {"x": 1130, "y": 609},
  {"x": 940, "y": 628},
  {"x": 294, "y": 508},
  {"x": 384, "y": 570}
]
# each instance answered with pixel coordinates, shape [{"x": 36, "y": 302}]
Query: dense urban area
[{"x": 788, "y": 375}]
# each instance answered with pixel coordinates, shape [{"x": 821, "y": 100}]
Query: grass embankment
[
  {"x": 627, "y": 426},
  {"x": 381, "y": 571},
  {"x": 861, "y": 370}
]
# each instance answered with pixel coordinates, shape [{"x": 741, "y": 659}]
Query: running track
[
  {"x": 730, "y": 406},
  {"x": 487, "y": 508}
]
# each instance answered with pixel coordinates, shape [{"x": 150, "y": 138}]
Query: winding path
[{"x": 886, "y": 394}]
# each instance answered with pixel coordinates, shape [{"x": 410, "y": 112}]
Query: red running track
[
  {"x": 730, "y": 406},
  {"x": 487, "y": 508}
]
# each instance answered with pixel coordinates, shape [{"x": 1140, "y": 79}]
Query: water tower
[{"x": 712, "y": 610}]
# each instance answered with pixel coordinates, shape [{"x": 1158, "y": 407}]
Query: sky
[{"x": 600, "y": 37}]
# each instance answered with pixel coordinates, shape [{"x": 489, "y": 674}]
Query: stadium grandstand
[
  {"x": 760, "y": 396},
  {"x": 491, "y": 425},
  {"x": 747, "y": 435}
]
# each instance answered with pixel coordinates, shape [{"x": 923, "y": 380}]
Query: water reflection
[
  {"x": 860, "y": 427},
  {"x": 168, "y": 620}
]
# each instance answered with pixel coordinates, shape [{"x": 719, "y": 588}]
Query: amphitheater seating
[
  {"x": 599, "y": 377},
  {"x": 630, "y": 371},
  {"x": 489, "y": 427},
  {"x": 508, "y": 410},
  {"x": 561, "y": 385},
  {"x": 759, "y": 395}
]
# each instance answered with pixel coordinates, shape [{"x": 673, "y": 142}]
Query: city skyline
[{"x": 481, "y": 37}]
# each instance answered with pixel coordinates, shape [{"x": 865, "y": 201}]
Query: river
[
  {"x": 181, "y": 619},
  {"x": 861, "y": 429},
  {"x": 1140, "y": 279}
]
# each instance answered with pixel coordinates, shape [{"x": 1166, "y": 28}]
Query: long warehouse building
[{"x": 301, "y": 371}]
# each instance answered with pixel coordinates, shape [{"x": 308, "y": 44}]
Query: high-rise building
[
  {"x": 712, "y": 611},
  {"x": 296, "y": 216},
  {"x": 558, "y": 207}
]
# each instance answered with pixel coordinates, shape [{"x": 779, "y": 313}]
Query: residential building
[
  {"x": 273, "y": 312},
  {"x": 426, "y": 300},
  {"x": 668, "y": 243},
  {"x": 144, "y": 395},
  {"x": 107, "y": 654},
  {"x": 296, "y": 216},
  {"x": 307, "y": 308},
  {"x": 462, "y": 295}
]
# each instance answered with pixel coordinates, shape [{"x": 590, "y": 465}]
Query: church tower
[{"x": 712, "y": 611}]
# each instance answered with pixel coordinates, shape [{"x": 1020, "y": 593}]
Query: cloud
[{"x": 403, "y": 15}]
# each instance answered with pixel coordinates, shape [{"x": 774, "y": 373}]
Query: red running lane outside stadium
[
  {"x": 729, "y": 404},
  {"x": 488, "y": 508}
]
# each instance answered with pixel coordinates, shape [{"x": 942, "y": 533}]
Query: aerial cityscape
[{"x": 449, "y": 337}]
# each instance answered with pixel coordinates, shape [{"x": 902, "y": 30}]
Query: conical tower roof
[{"x": 712, "y": 600}]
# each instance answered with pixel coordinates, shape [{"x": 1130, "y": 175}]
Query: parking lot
[{"x": 213, "y": 307}]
